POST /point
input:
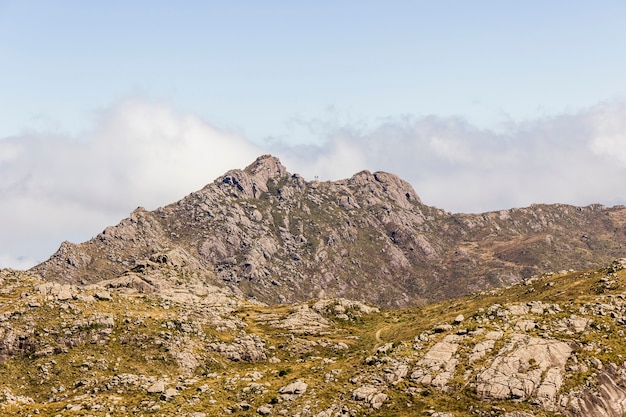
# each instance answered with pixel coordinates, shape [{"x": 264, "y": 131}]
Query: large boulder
[{"x": 526, "y": 367}]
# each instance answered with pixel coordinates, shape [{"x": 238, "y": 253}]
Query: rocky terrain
[
  {"x": 266, "y": 295},
  {"x": 551, "y": 345},
  {"x": 268, "y": 235}
]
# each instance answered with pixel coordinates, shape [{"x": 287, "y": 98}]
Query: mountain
[
  {"x": 267, "y": 235},
  {"x": 266, "y": 295},
  {"x": 551, "y": 345}
]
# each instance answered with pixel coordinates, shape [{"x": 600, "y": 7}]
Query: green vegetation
[{"x": 88, "y": 357}]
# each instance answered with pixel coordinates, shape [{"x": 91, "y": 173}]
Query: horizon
[{"x": 480, "y": 107}]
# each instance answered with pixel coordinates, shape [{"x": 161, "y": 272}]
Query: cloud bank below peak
[
  {"x": 571, "y": 158},
  {"x": 56, "y": 187}
]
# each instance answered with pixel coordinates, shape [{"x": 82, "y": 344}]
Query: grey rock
[
  {"x": 246, "y": 348},
  {"x": 437, "y": 366},
  {"x": 169, "y": 394},
  {"x": 264, "y": 410},
  {"x": 369, "y": 394},
  {"x": 606, "y": 399},
  {"x": 296, "y": 388},
  {"x": 157, "y": 388},
  {"x": 103, "y": 295},
  {"x": 517, "y": 371}
]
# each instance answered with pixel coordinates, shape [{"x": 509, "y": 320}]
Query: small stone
[
  {"x": 104, "y": 296},
  {"x": 169, "y": 394},
  {"x": 377, "y": 400},
  {"x": 264, "y": 410},
  {"x": 297, "y": 388},
  {"x": 157, "y": 387}
]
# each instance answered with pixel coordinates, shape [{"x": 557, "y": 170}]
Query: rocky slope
[
  {"x": 551, "y": 345},
  {"x": 268, "y": 235}
]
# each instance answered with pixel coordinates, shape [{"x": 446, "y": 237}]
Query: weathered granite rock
[
  {"x": 264, "y": 410},
  {"x": 371, "y": 395},
  {"x": 248, "y": 348},
  {"x": 438, "y": 364},
  {"x": 518, "y": 370},
  {"x": 606, "y": 399},
  {"x": 169, "y": 394},
  {"x": 296, "y": 387},
  {"x": 157, "y": 388},
  {"x": 302, "y": 320},
  {"x": 277, "y": 238},
  {"x": 293, "y": 390},
  {"x": 481, "y": 349}
]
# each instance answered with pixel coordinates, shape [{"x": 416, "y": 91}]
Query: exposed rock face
[
  {"x": 303, "y": 320},
  {"x": 527, "y": 367},
  {"x": 371, "y": 395},
  {"x": 606, "y": 399},
  {"x": 246, "y": 348},
  {"x": 273, "y": 236},
  {"x": 437, "y": 366}
]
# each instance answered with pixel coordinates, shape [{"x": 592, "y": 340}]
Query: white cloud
[
  {"x": 140, "y": 152},
  {"x": 608, "y": 127},
  {"x": 9, "y": 152},
  {"x": 9, "y": 261},
  {"x": 458, "y": 167},
  {"x": 54, "y": 187}
]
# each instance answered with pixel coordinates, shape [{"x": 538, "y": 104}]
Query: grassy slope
[{"x": 85, "y": 371}]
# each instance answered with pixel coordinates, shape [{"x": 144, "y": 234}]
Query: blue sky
[
  {"x": 481, "y": 105},
  {"x": 255, "y": 66}
]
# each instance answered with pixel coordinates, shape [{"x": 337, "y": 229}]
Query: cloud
[
  {"x": 608, "y": 124},
  {"x": 140, "y": 152},
  {"x": 575, "y": 158},
  {"x": 9, "y": 261},
  {"x": 57, "y": 187}
]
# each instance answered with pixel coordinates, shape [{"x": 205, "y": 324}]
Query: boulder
[
  {"x": 371, "y": 395},
  {"x": 437, "y": 366},
  {"x": 295, "y": 388},
  {"x": 157, "y": 388},
  {"x": 527, "y": 367}
]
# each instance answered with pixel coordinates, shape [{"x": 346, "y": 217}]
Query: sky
[{"x": 481, "y": 105}]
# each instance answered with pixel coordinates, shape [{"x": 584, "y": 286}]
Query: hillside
[
  {"x": 268, "y": 235},
  {"x": 551, "y": 345}
]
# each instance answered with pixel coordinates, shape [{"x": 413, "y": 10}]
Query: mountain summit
[
  {"x": 269, "y": 235},
  {"x": 166, "y": 313}
]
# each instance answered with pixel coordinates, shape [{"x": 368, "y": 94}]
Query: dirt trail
[{"x": 378, "y": 339}]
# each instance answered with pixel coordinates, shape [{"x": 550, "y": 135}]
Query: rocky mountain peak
[
  {"x": 277, "y": 238},
  {"x": 384, "y": 184},
  {"x": 166, "y": 313},
  {"x": 252, "y": 181},
  {"x": 266, "y": 167}
]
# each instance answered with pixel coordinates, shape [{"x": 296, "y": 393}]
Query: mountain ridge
[
  {"x": 274, "y": 237},
  {"x": 247, "y": 298}
]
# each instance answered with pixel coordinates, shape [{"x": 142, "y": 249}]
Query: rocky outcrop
[
  {"x": 438, "y": 365},
  {"x": 526, "y": 367},
  {"x": 290, "y": 391},
  {"x": 550, "y": 345},
  {"x": 302, "y": 320},
  {"x": 246, "y": 348},
  {"x": 371, "y": 395},
  {"x": 606, "y": 399},
  {"x": 277, "y": 238}
]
